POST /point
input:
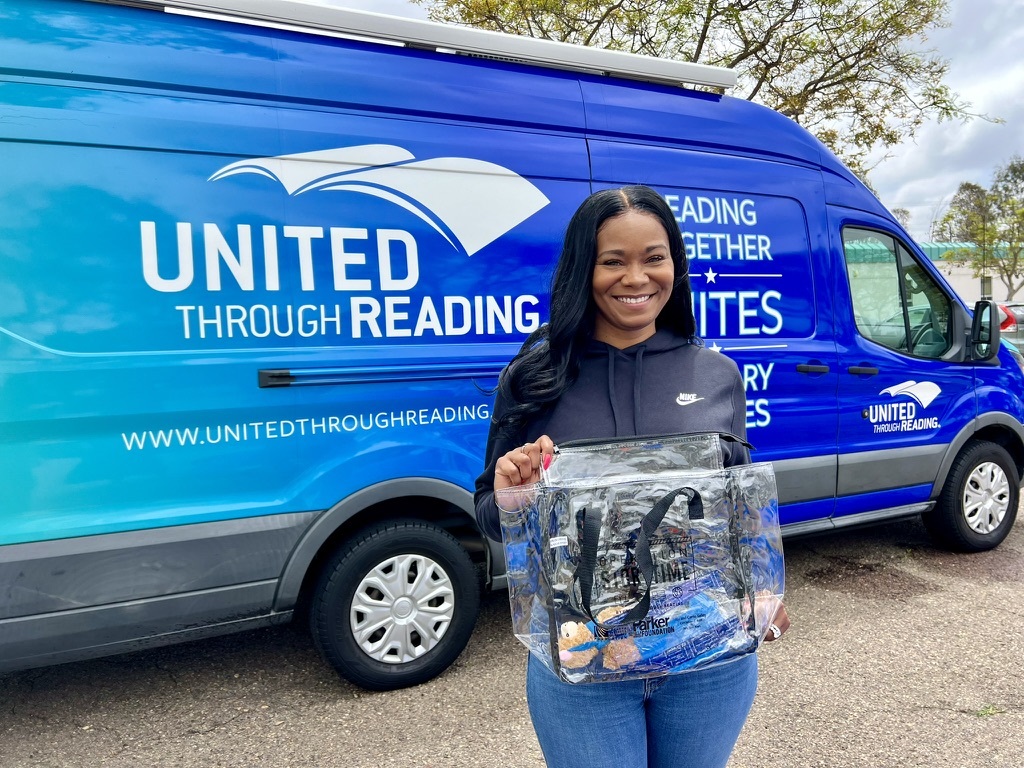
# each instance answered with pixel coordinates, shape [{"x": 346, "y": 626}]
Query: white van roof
[{"x": 316, "y": 17}]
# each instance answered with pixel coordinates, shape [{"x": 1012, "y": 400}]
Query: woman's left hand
[
  {"x": 522, "y": 465},
  {"x": 779, "y": 624}
]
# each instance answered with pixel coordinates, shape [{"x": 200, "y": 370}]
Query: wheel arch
[
  {"x": 434, "y": 501},
  {"x": 999, "y": 428}
]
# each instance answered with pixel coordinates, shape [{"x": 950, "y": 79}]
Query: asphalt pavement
[{"x": 900, "y": 655}]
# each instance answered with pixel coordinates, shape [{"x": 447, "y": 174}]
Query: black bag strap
[
  {"x": 742, "y": 556},
  {"x": 584, "y": 574}
]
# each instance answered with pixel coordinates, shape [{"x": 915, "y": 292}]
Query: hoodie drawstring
[
  {"x": 611, "y": 388},
  {"x": 637, "y": 389},
  {"x": 637, "y": 383}
]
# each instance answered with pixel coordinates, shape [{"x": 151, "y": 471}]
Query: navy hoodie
[{"x": 666, "y": 385}]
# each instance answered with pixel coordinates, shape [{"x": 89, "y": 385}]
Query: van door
[
  {"x": 905, "y": 390},
  {"x": 761, "y": 296}
]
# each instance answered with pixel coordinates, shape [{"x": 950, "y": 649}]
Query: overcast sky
[{"x": 985, "y": 47}]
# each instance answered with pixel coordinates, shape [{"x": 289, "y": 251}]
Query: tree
[
  {"x": 993, "y": 221},
  {"x": 851, "y": 71},
  {"x": 1008, "y": 198},
  {"x": 902, "y": 215}
]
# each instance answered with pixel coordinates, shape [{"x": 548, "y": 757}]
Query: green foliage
[
  {"x": 854, "y": 72},
  {"x": 993, "y": 220},
  {"x": 988, "y": 710}
]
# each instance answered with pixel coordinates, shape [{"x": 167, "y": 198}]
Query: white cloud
[{"x": 985, "y": 47}]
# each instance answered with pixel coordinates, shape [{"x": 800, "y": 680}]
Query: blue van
[{"x": 259, "y": 271}]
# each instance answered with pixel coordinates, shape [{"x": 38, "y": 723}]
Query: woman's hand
[
  {"x": 522, "y": 465},
  {"x": 780, "y": 623}
]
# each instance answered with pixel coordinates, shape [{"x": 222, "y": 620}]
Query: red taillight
[{"x": 1009, "y": 323}]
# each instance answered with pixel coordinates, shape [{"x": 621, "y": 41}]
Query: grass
[{"x": 988, "y": 710}]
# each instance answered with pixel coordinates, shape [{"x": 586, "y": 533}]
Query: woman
[{"x": 620, "y": 358}]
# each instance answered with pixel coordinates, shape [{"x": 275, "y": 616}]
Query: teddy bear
[
  {"x": 572, "y": 635},
  {"x": 617, "y": 653}
]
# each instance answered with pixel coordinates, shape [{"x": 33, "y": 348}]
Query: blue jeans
[{"x": 690, "y": 720}]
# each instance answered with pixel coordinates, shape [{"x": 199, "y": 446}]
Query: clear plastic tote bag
[{"x": 642, "y": 557}]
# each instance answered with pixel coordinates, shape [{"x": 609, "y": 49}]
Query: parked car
[{"x": 1012, "y": 325}]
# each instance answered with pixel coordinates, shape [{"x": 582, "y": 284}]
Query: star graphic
[
  {"x": 710, "y": 275},
  {"x": 714, "y": 347}
]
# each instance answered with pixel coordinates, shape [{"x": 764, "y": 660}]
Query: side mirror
[{"x": 985, "y": 331}]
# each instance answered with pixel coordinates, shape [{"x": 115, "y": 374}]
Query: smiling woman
[
  {"x": 633, "y": 278},
  {"x": 620, "y": 359}
]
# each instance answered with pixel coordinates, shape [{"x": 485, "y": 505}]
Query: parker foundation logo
[{"x": 651, "y": 626}]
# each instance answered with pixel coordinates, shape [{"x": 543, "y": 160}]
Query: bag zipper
[{"x": 589, "y": 442}]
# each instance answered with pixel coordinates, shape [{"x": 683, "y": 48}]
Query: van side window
[{"x": 896, "y": 303}]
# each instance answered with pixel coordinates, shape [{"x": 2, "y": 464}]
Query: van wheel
[
  {"x": 396, "y": 605},
  {"x": 978, "y": 503}
]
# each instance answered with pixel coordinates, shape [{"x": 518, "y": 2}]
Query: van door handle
[
  {"x": 811, "y": 368},
  {"x": 862, "y": 370}
]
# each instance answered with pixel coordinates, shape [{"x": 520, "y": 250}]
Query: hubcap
[
  {"x": 986, "y": 498},
  {"x": 402, "y": 608}
]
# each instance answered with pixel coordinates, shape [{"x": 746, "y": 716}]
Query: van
[{"x": 259, "y": 271}]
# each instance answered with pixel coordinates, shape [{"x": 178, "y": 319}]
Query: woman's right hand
[{"x": 522, "y": 465}]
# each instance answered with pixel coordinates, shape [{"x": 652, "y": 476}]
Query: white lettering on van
[
  {"x": 713, "y": 210},
  {"x": 758, "y": 413},
  {"x": 394, "y": 318},
  {"x": 902, "y": 416},
  {"x": 450, "y": 303},
  {"x": 388, "y": 281},
  {"x": 723, "y": 246},
  {"x": 232, "y": 261},
  {"x": 343, "y": 259},
  {"x": 746, "y": 313},
  {"x": 755, "y": 379},
  {"x": 526, "y": 322},
  {"x": 218, "y": 251},
  {"x": 427, "y": 320},
  {"x": 750, "y": 307},
  {"x": 892, "y": 412},
  {"x": 367, "y": 317},
  {"x": 150, "y": 263},
  {"x": 300, "y": 427},
  {"x": 270, "y": 268},
  {"x": 755, "y": 376},
  {"x": 365, "y": 311},
  {"x": 231, "y": 321},
  {"x": 766, "y": 298},
  {"x": 304, "y": 237}
]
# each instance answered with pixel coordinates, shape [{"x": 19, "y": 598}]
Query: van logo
[
  {"x": 470, "y": 203},
  {"x": 902, "y": 416},
  {"x": 923, "y": 392}
]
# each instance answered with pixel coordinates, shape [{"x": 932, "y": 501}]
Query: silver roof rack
[{"x": 317, "y": 18}]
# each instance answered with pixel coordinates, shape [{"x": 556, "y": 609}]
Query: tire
[
  {"x": 978, "y": 503},
  {"x": 395, "y": 605}
]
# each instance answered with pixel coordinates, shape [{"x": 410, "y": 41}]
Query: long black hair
[{"x": 549, "y": 360}]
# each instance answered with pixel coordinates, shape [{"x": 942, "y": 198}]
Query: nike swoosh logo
[{"x": 681, "y": 401}]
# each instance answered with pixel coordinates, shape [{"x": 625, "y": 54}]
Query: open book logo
[
  {"x": 924, "y": 392},
  {"x": 470, "y": 203}
]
